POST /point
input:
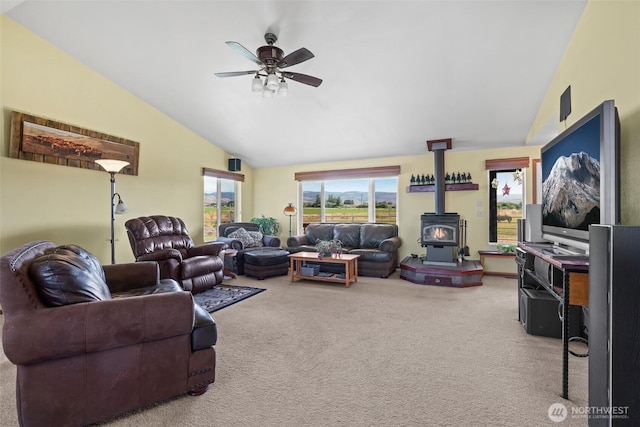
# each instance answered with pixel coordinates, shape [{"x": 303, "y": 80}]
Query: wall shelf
[{"x": 430, "y": 188}]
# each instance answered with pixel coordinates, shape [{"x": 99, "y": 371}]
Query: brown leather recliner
[
  {"x": 91, "y": 342},
  {"x": 166, "y": 240}
]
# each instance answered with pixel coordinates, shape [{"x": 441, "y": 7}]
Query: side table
[
  {"x": 497, "y": 254},
  {"x": 228, "y": 263}
]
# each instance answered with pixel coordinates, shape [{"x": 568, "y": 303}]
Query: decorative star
[
  {"x": 517, "y": 176},
  {"x": 505, "y": 190}
]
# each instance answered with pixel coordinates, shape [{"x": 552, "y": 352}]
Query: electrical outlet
[
  {"x": 479, "y": 213},
  {"x": 478, "y": 203}
]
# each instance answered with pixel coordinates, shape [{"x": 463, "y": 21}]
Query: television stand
[{"x": 565, "y": 275}]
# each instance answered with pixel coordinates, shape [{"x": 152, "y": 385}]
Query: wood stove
[
  {"x": 441, "y": 236},
  {"x": 440, "y": 230}
]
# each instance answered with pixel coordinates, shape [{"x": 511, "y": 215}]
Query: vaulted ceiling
[{"x": 395, "y": 73}]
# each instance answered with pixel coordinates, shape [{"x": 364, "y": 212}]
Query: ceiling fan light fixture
[
  {"x": 256, "y": 85},
  {"x": 272, "y": 82},
  {"x": 283, "y": 89},
  {"x": 267, "y": 93},
  {"x": 270, "y": 60}
]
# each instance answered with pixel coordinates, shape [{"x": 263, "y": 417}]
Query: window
[
  {"x": 505, "y": 206},
  {"x": 346, "y": 201},
  {"x": 354, "y": 198},
  {"x": 220, "y": 200},
  {"x": 506, "y": 198},
  {"x": 385, "y": 191}
]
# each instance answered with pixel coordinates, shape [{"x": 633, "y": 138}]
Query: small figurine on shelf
[
  {"x": 423, "y": 180},
  {"x": 459, "y": 178},
  {"x": 413, "y": 180},
  {"x": 468, "y": 176},
  {"x": 432, "y": 179},
  {"x": 447, "y": 178}
]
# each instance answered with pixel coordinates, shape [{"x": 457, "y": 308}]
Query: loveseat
[
  {"x": 91, "y": 342},
  {"x": 244, "y": 236},
  {"x": 376, "y": 243}
]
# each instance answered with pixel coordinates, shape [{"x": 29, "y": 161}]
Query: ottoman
[{"x": 266, "y": 263}]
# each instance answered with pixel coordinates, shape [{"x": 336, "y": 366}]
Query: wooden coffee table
[{"x": 350, "y": 267}]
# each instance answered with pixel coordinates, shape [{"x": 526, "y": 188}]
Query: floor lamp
[
  {"x": 113, "y": 167},
  {"x": 290, "y": 211}
]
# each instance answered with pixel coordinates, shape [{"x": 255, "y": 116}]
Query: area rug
[{"x": 222, "y": 296}]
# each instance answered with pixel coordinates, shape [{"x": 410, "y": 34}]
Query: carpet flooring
[
  {"x": 384, "y": 352},
  {"x": 222, "y": 296}
]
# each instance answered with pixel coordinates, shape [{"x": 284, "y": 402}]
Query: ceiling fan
[{"x": 272, "y": 63}]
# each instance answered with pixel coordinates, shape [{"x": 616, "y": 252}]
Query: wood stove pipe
[
  {"x": 438, "y": 172},
  {"x": 439, "y": 146}
]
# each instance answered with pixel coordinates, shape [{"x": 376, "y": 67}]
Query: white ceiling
[{"x": 396, "y": 73}]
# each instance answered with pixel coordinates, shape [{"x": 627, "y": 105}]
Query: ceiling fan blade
[
  {"x": 235, "y": 73},
  {"x": 296, "y": 57},
  {"x": 303, "y": 78},
  {"x": 244, "y": 52}
]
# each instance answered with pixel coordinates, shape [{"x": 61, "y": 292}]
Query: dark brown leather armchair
[
  {"x": 166, "y": 240},
  {"x": 91, "y": 342},
  {"x": 227, "y": 229}
]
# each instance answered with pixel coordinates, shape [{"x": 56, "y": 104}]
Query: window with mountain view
[
  {"x": 219, "y": 204},
  {"x": 351, "y": 200}
]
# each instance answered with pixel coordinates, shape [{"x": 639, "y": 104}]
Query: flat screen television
[{"x": 581, "y": 177}]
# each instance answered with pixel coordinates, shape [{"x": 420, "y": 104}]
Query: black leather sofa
[{"x": 376, "y": 243}]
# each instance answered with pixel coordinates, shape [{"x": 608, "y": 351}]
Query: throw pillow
[
  {"x": 257, "y": 239},
  {"x": 244, "y": 237}
]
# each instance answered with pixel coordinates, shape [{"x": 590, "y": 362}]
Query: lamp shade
[
  {"x": 283, "y": 90},
  {"x": 121, "y": 206},
  {"x": 112, "y": 165},
  {"x": 272, "y": 82},
  {"x": 256, "y": 84},
  {"x": 290, "y": 210},
  {"x": 267, "y": 93}
]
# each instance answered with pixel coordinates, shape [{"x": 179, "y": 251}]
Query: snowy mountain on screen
[{"x": 571, "y": 192}]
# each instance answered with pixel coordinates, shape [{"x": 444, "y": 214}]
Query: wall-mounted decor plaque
[{"x": 47, "y": 141}]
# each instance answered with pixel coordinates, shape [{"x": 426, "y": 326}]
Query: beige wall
[
  {"x": 275, "y": 187},
  {"x": 602, "y": 62},
  {"x": 71, "y": 205}
]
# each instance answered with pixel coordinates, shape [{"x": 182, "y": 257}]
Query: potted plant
[
  {"x": 506, "y": 248},
  {"x": 267, "y": 225}
]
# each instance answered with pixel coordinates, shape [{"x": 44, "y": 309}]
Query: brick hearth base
[{"x": 463, "y": 275}]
